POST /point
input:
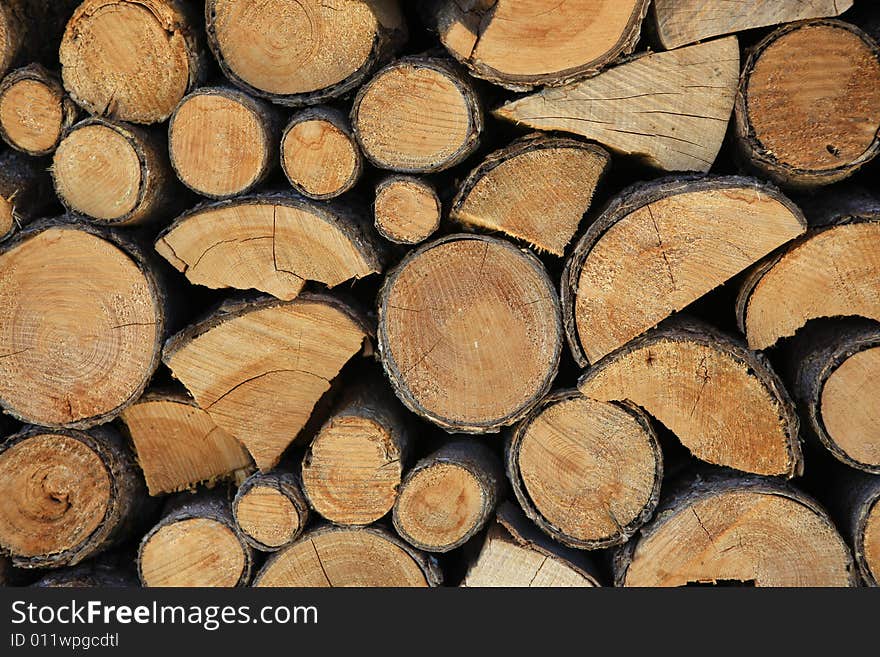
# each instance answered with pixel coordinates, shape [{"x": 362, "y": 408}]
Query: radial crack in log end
[
  {"x": 680, "y": 22},
  {"x": 657, "y": 247},
  {"x": 830, "y": 272},
  {"x": 536, "y": 190},
  {"x": 520, "y": 45},
  {"x": 736, "y": 529},
  {"x": 349, "y": 556},
  {"x": 178, "y": 445},
  {"x": 259, "y": 368},
  {"x": 270, "y": 243},
  {"x": 723, "y": 402},
  {"x": 670, "y": 108}
]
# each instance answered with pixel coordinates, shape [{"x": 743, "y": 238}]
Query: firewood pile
[{"x": 451, "y": 292}]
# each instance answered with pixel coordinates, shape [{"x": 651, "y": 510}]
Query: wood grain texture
[
  {"x": 585, "y": 472},
  {"x": 657, "y": 247},
  {"x": 305, "y": 52},
  {"x": 807, "y": 108},
  {"x": 274, "y": 243},
  {"x": 680, "y": 22},
  {"x": 34, "y": 110},
  {"x": 670, "y": 109},
  {"x": 520, "y": 44},
  {"x": 259, "y": 367},
  {"x": 537, "y": 189},
  {"x": 829, "y": 272},
  {"x": 270, "y": 509},
  {"x": 406, "y": 209},
  {"x": 470, "y": 333},
  {"x": 25, "y": 192},
  {"x": 749, "y": 531},
  {"x": 723, "y": 402}
]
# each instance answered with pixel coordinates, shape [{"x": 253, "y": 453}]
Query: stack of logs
[{"x": 482, "y": 293}]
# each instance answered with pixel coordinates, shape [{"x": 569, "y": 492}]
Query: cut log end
[
  {"x": 81, "y": 324},
  {"x": 221, "y": 142},
  {"x": 658, "y": 247},
  {"x": 448, "y": 497},
  {"x": 722, "y": 401},
  {"x": 805, "y": 281},
  {"x": 178, "y": 445},
  {"x": 263, "y": 404},
  {"x": 508, "y": 191},
  {"x": 753, "y": 534},
  {"x": 588, "y": 472},
  {"x": 319, "y": 154},
  {"x": 332, "y": 556},
  {"x": 25, "y": 191},
  {"x": 271, "y": 510},
  {"x": 34, "y": 111},
  {"x": 870, "y": 543},
  {"x": 406, "y": 210},
  {"x": 352, "y": 470},
  {"x": 417, "y": 115},
  {"x": 68, "y": 494},
  {"x": 808, "y": 109},
  {"x": 675, "y": 106},
  {"x": 273, "y": 244},
  {"x": 521, "y": 46},
  {"x": 303, "y": 52},
  {"x": 470, "y": 332},
  {"x": 140, "y": 83}
]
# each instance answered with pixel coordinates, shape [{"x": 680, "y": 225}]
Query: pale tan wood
[
  {"x": 831, "y": 272},
  {"x": 523, "y": 43},
  {"x": 756, "y": 533},
  {"x": 34, "y": 110},
  {"x": 586, "y": 472},
  {"x": 25, "y": 192},
  {"x": 302, "y": 52},
  {"x": 335, "y": 556},
  {"x": 268, "y": 516},
  {"x": 537, "y": 189},
  {"x": 81, "y": 324},
  {"x": 417, "y": 115},
  {"x": 871, "y": 541},
  {"x": 270, "y": 243},
  {"x": 259, "y": 368},
  {"x": 850, "y": 409},
  {"x": 680, "y": 22},
  {"x": 722, "y": 402},
  {"x": 807, "y": 113},
  {"x": 319, "y": 154},
  {"x": 221, "y": 141},
  {"x": 669, "y": 108},
  {"x": 469, "y": 332},
  {"x": 178, "y": 445},
  {"x": 406, "y": 210},
  {"x": 192, "y": 552},
  {"x": 130, "y": 60},
  {"x": 658, "y": 247},
  {"x": 516, "y": 554}
]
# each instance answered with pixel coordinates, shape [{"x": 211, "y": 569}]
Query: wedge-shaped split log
[
  {"x": 808, "y": 107},
  {"x": 586, "y": 472},
  {"x": 680, "y": 22},
  {"x": 195, "y": 544},
  {"x": 82, "y": 320},
  {"x": 470, "y": 332},
  {"x": 67, "y": 495},
  {"x": 524, "y": 44},
  {"x": 836, "y": 370},
  {"x": 270, "y": 243},
  {"x": 258, "y": 368},
  {"x": 832, "y": 271},
  {"x": 178, "y": 445},
  {"x": 330, "y": 556},
  {"x": 722, "y": 401},
  {"x": 537, "y": 190},
  {"x": 669, "y": 108},
  {"x": 515, "y": 553},
  {"x": 747, "y": 531},
  {"x": 657, "y": 247}
]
